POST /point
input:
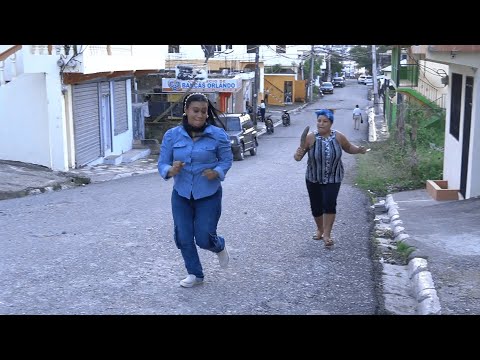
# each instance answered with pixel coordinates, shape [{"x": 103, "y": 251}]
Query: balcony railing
[
  {"x": 8, "y": 64},
  {"x": 228, "y": 57},
  {"x": 431, "y": 93},
  {"x": 90, "y": 49}
]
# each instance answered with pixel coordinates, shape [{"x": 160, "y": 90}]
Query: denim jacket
[{"x": 211, "y": 151}]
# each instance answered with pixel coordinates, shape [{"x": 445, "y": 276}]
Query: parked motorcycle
[
  {"x": 269, "y": 124},
  {"x": 285, "y": 118}
]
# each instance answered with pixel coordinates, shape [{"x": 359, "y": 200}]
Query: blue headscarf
[{"x": 325, "y": 112}]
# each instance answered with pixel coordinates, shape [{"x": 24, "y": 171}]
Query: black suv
[{"x": 242, "y": 133}]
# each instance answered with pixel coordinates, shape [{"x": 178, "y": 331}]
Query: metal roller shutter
[
  {"x": 120, "y": 107},
  {"x": 105, "y": 86},
  {"x": 86, "y": 123},
  {"x": 105, "y": 120}
]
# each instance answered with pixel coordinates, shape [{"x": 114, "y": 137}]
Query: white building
[
  {"x": 65, "y": 106},
  {"x": 461, "y": 161}
]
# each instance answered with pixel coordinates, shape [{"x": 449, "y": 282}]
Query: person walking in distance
[
  {"x": 262, "y": 109},
  {"x": 197, "y": 155},
  {"x": 357, "y": 117},
  {"x": 325, "y": 171}
]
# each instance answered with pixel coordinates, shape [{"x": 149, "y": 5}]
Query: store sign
[{"x": 210, "y": 85}]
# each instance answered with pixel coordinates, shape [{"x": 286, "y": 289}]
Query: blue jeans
[{"x": 195, "y": 221}]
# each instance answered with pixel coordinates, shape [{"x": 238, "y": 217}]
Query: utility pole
[
  {"x": 312, "y": 64},
  {"x": 374, "y": 77},
  {"x": 256, "y": 84},
  {"x": 329, "y": 63}
]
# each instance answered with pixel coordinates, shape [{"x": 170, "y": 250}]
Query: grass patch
[
  {"x": 403, "y": 251},
  {"x": 388, "y": 167}
]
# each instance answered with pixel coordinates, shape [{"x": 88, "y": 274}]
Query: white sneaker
[
  {"x": 191, "y": 280},
  {"x": 223, "y": 257}
]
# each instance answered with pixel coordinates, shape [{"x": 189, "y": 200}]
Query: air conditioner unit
[{"x": 444, "y": 80}]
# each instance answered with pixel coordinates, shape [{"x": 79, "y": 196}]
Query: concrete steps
[{"x": 127, "y": 157}]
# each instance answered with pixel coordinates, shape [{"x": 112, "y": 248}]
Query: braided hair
[{"x": 213, "y": 113}]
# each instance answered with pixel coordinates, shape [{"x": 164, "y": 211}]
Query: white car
[{"x": 368, "y": 80}]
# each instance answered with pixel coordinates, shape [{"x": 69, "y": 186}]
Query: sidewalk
[
  {"x": 20, "y": 179},
  {"x": 443, "y": 268}
]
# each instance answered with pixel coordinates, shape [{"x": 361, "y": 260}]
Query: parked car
[
  {"x": 361, "y": 79},
  {"x": 327, "y": 87},
  {"x": 369, "y": 80},
  {"x": 242, "y": 133},
  {"x": 338, "y": 82}
]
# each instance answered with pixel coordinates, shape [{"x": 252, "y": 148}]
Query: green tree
[
  {"x": 317, "y": 63},
  {"x": 336, "y": 64},
  {"x": 362, "y": 55}
]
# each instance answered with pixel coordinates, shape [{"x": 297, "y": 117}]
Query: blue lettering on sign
[
  {"x": 221, "y": 85},
  {"x": 177, "y": 85},
  {"x": 198, "y": 85}
]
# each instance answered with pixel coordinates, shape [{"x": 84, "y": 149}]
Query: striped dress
[{"x": 324, "y": 164}]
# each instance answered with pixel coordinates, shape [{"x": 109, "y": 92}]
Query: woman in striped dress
[{"x": 325, "y": 172}]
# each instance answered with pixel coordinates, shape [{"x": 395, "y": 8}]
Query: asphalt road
[{"x": 107, "y": 248}]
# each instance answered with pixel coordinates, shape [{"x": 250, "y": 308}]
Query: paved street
[{"x": 107, "y": 248}]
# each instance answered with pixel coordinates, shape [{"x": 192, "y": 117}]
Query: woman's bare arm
[{"x": 348, "y": 147}]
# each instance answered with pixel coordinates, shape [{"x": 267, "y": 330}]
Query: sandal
[
  {"x": 328, "y": 242},
  {"x": 315, "y": 237}
]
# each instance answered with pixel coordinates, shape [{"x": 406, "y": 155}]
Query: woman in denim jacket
[{"x": 198, "y": 155}]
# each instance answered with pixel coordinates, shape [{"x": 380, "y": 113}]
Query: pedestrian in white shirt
[{"x": 357, "y": 117}]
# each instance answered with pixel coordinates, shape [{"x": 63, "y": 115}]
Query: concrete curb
[
  {"x": 372, "y": 132},
  {"x": 69, "y": 182},
  {"x": 108, "y": 177},
  {"x": 422, "y": 286}
]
